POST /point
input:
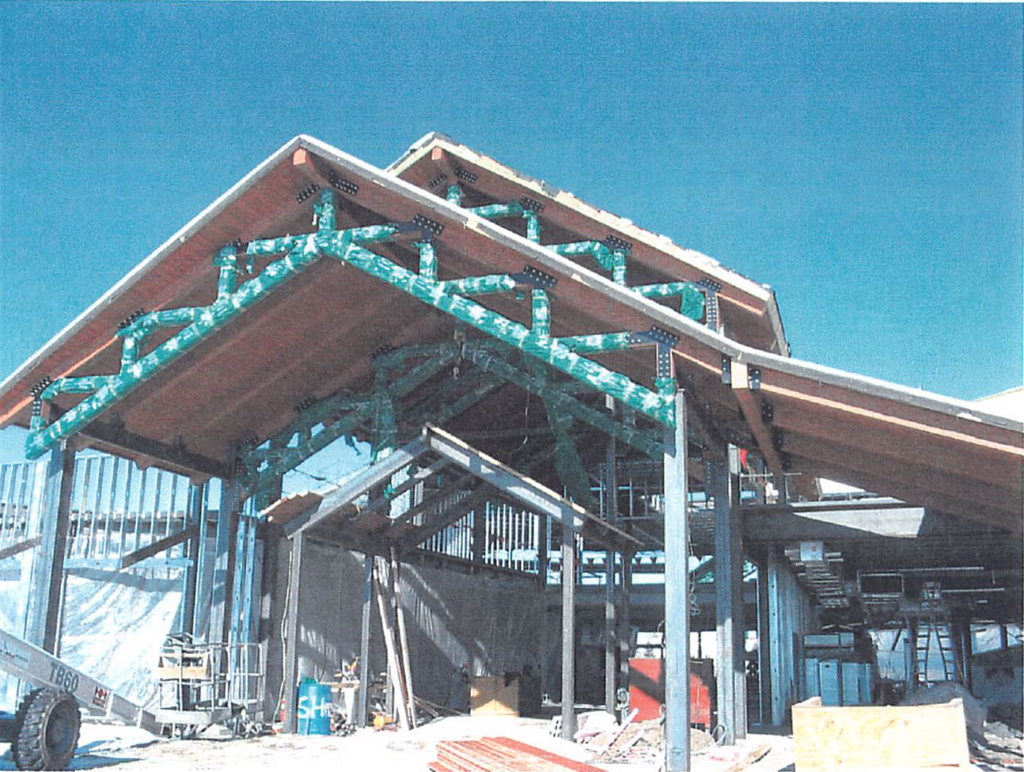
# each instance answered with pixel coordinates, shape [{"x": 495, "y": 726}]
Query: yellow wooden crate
[
  {"x": 498, "y": 696},
  {"x": 890, "y": 737}
]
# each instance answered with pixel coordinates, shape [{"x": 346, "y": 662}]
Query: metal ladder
[{"x": 933, "y": 624}]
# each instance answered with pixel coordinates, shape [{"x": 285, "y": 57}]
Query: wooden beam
[
  {"x": 907, "y": 472},
  {"x": 958, "y": 451},
  {"x": 1013, "y": 522},
  {"x": 750, "y": 405},
  {"x": 291, "y": 651}
]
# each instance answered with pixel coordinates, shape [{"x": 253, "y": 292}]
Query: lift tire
[{"x": 48, "y": 722}]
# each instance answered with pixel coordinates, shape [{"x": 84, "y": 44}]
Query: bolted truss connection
[{"x": 350, "y": 247}]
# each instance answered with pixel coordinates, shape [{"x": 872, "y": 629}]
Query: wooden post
[
  {"x": 403, "y": 640},
  {"x": 394, "y": 666}
]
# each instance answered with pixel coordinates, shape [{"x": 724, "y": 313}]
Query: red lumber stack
[{"x": 500, "y": 754}]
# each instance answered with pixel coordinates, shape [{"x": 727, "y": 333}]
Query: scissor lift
[{"x": 44, "y": 732}]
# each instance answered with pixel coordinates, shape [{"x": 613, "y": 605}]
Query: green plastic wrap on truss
[
  {"x": 487, "y": 357},
  {"x": 347, "y": 246},
  {"x": 598, "y": 342},
  {"x": 691, "y": 298},
  {"x": 540, "y": 312},
  {"x": 501, "y": 211},
  {"x": 498, "y": 211},
  {"x": 508, "y": 331},
  {"x": 213, "y": 318},
  {"x": 480, "y": 285},
  {"x": 301, "y": 251},
  {"x": 260, "y": 467},
  {"x": 613, "y": 260},
  {"x": 568, "y": 464},
  {"x": 428, "y": 259}
]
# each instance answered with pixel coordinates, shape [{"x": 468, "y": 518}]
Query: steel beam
[
  {"x": 452, "y": 515},
  {"x": 365, "y": 671},
  {"x": 568, "y": 633},
  {"x": 533, "y": 494},
  {"x": 343, "y": 498},
  {"x": 677, "y": 595},
  {"x": 18, "y": 547},
  {"x": 623, "y": 619},
  {"x": 129, "y": 560},
  {"x": 173, "y": 457}
]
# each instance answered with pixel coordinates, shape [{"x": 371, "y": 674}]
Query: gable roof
[{"x": 315, "y": 337}]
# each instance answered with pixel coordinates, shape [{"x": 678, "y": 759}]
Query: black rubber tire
[{"x": 48, "y": 723}]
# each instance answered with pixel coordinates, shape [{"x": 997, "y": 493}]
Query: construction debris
[
  {"x": 999, "y": 745},
  {"x": 633, "y": 741}
]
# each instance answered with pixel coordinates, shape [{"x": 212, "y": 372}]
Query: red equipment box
[{"x": 647, "y": 689}]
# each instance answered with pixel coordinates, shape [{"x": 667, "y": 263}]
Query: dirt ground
[
  {"x": 112, "y": 745},
  {"x": 106, "y": 745}
]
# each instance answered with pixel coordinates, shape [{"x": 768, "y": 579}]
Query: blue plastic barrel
[{"x": 314, "y": 711}]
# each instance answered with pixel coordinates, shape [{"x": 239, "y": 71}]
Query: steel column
[
  {"x": 622, "y": 617},
  {"x": 739, "y": 625},
  {"x": 291, "y": 650},
  {"x": 47, "y": 583},
  {"x": 190, "y": 576},
  {"x": 611, "y": 643},
  {"x": 777, "y": 658},
  {"x": 568, "y": 633},
  {"x": 364, "y": 643},
  {"x": 763, "y": 643},
  {"x": 224, "y": 564},
  {"x": 728, "y": 605},
  {"x": 677, "y": 595}
]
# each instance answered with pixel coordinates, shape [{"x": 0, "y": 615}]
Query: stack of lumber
[{"x": 500, "y": 754}]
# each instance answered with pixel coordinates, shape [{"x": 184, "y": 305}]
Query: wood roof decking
[
  {"x": 315, "y": 335},
  {"x": 749, "y": 310}
]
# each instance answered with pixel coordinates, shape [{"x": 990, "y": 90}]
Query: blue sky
[{"x": 865, "y": 161}]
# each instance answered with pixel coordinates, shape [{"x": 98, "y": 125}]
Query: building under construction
[{"x": 588, "y": 448}]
